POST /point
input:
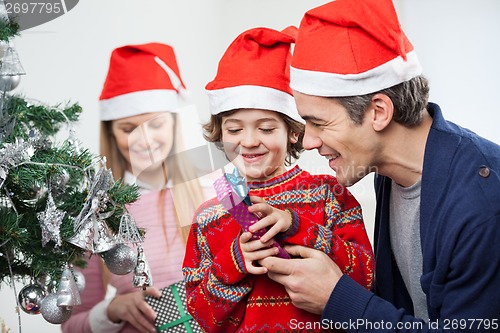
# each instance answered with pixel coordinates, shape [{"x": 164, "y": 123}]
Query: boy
[{"x": 255, "y": 120}]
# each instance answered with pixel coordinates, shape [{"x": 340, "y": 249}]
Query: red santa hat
[
  {"x": 254, "y": 72},
  {"x": 141, "y": 78},
  {"x": 351, "y": 47}
]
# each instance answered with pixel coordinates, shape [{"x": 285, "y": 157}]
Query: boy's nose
[{"x": 249, "y": 140}]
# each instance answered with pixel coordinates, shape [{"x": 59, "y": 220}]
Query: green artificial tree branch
[
  {"x": 31, "y": 168},
  {"x": 8, "y": 29}
]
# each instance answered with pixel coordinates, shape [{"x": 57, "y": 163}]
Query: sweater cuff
[
  {"x": 293, "y": 228},
  {"x": 229, "y": 264},
  {"x": 99, "y": 321},
  {"x": 347, "y": 302}
]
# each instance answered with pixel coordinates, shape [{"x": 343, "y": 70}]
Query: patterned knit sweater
[{"x": 223, "y": 297}]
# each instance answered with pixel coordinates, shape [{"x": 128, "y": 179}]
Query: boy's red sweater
[{"x": 223, "y": 297}]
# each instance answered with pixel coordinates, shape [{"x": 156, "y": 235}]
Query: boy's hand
[
  {"x": 255, "y": 250},
  {"x": 277, "y": 220}
]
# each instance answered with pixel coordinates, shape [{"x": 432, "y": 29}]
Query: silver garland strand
[
  {"x": 50, "y": 222},
  {"x": 37, "y": 140},
  {"x": 12, "y": 154}
]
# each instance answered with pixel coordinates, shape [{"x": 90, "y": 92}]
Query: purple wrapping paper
[{"x": 239, "y": 210}]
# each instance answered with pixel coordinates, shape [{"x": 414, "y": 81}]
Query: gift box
[
  {"x": 232, "y": 193},
  {"x": 171, "y": 313}
]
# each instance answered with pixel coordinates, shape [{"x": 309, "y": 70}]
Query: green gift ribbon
[{"x": 185, "y": 317}]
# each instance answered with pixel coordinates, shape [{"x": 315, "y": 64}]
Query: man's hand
[{"x": 309, "y": 280}]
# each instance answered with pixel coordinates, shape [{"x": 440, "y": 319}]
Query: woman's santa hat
[
  {"x": 351, "y": 47},
  {"x": 141, "y": 78},
  {"x": 254, "y": 73}
]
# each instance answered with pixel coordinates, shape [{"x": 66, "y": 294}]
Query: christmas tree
[{"x": 58, "y": 202}]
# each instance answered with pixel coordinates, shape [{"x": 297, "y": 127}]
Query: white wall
[{"x": 66, "y": 60}]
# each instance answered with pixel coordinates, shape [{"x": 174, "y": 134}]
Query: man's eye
[{"x": 315, "y": 125}]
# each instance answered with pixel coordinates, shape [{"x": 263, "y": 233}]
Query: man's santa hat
[
  {"x": 254, "y": 73},
  {"x": 141, "y": 78},
  {"x": 351, "y": 47}
]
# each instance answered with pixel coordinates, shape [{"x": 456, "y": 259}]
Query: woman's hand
[{"x": 133, "y": 309}]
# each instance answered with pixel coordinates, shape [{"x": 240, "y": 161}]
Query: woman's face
[{"x": 144, "y": 140}]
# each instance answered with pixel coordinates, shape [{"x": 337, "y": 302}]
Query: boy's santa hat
[
  {"x": 141, "y": 78},
  {"x": 351, "y": 47},
  {"x": 254, "y": 73}
]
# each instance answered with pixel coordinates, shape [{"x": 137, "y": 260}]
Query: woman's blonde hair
[{"x": 187, "y": 193}]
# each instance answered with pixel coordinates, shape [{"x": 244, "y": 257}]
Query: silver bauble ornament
[
  {"x": 120, "y": 260},
  {"x": 36, "y": 192},
  {"x": 59, "y": 182},
  {"x": 9, "y": 82},
  {"x": 52, "y": 313},
  {"x": 79, "y": 279},
  {"x": 30, "y": 297}
]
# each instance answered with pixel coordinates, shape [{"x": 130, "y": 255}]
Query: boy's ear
[
  {"x": 382, "y": 113},
  {"x": 294, "y": 137}
]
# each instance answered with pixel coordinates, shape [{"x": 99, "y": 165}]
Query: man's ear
[{"x": 383, "y": 111}]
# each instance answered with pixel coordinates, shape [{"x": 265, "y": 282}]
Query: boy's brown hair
[{"x": 212, "y": 132}]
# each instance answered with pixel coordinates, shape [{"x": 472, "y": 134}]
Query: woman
[{"x": 141, "y": 141}]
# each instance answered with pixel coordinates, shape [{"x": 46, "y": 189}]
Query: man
[{"x": 357, "y": 82}]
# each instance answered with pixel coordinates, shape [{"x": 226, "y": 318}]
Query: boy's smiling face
[{"x": 256, "y": 141}]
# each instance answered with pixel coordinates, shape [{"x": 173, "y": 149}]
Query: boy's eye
[{"x": 156, "y": 124}]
